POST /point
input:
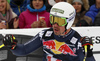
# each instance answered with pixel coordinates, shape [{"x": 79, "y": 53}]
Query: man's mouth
[{"x": 56, "y": 30}]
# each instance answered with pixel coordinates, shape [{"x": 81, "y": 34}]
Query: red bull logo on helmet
[{"x": 59, "y": 47}]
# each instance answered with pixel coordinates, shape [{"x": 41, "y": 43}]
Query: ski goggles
[{"x": 59, "y": 20}]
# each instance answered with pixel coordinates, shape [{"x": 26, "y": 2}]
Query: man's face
[
  {"x": 59, "y": 1},
  {"x": 37, "y": 4},
  {"x": 58, "y": 30},
  {"x": 3, "y": 5}
]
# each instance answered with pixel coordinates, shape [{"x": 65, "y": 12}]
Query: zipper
[
  {"x": 19, "y": 9},
  {"x": 37, "y": 16}
]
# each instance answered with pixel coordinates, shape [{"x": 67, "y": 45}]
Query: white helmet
[{"x": 65, "y": 10}]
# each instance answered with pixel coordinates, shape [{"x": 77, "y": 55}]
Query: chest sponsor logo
[
  {"x": 59, "y": 47},
  {"x": 48, "y": 33},
  {"x": 74, "y": 40}
]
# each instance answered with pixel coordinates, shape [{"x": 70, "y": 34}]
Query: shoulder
[
  {"x": 76, "y": 39},
  {"x": 24, "y": 13},
  {"x": 76, "y": 34},
  {"x": 93, "y": 7},
  {"x": 90, "y": 14},
  {"x": 45, "y": 12},
  {"x": 46, "y": 33}
]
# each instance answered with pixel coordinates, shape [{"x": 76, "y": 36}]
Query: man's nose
[{"x": 55, "y": 24}]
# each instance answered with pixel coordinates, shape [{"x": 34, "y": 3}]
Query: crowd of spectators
[{"x": 35, "y": 13}]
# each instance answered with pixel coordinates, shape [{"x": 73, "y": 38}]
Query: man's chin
[{"x": 56, "y": 33}]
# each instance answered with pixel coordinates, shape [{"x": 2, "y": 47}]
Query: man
[
  {"x": 18, "y": 6},
  {"x": 60, "y": 43}
]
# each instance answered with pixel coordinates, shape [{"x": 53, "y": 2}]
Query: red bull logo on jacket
[{"x": 59, "y": 47}]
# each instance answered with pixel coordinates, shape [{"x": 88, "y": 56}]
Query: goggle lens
[{"x": 58, "y": 20}]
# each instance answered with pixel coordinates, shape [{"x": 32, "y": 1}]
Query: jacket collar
[{"x": 36, "y": 10}]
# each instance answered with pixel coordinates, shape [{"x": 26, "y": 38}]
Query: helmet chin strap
[
  {"x": 64, "y": 33},
  {"x": 65, "y": 29}
]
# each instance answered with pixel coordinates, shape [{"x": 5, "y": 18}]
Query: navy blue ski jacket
[{"x": 56, "y": 48}]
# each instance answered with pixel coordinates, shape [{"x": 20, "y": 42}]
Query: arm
[
  {"x": 80, "y": 51},
  {"x": 81, "y": 55},
  {"x": 91, "y": 15},
  {"x": 23, "y": 49},
  {"x": 87, "y": 51},
  {"x": 13, "y": 24}
]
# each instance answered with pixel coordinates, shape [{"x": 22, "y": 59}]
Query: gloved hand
[
  {"x": 87, "y": 41},
  {"x": 10, "y": 41}
]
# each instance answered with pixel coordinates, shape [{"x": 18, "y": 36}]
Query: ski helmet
[{"x": 64, "y": 10}]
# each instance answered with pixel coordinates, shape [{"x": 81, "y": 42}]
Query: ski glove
[
  {"x": 89, "y": 43},
  {"x": 10, "y": 41}
]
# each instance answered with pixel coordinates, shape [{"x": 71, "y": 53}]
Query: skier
[{"x": 60, "y": 43}]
